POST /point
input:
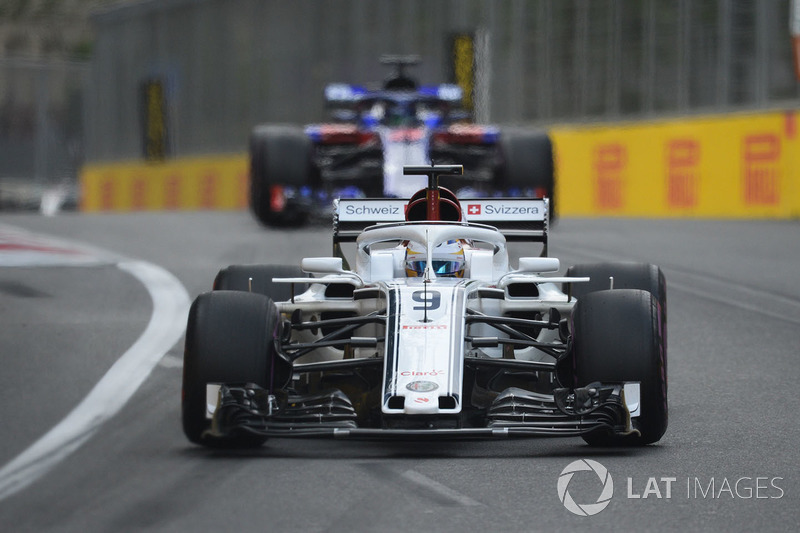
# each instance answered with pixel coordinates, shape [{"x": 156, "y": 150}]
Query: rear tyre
[
  {"x": 644, "y": 276},
  {"x": 618, "y": 337},
  {"x": 229, "y": 339},
  {"x": 238, "y": 278},
  {"x": 528, "y": 163},
  {"x": 280, "y": 156}
]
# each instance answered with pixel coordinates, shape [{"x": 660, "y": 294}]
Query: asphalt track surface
[{"x": 731, "y": 446}]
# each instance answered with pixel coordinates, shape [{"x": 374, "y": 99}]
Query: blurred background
[{"x": 92, "y": 82}]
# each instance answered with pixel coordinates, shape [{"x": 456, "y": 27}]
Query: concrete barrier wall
[{"x": 735, "y": 166}]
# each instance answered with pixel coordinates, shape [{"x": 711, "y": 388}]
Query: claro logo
[{"x": 406, "y": 373}]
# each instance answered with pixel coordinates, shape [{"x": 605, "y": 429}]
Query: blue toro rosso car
[{"x": 295, "y": 172}]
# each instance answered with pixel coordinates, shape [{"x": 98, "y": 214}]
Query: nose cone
[{"x": 421, "y": 404}]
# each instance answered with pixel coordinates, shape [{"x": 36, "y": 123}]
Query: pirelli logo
[
  {"x": 683, "y": 172},
  {"x": 610, "y": 161},
  {"x": 761, "y": 174}
]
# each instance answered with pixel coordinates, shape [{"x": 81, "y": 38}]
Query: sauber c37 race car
[
  {"x": 430, "y": 334},
  {"x": 374, "y": 132}
]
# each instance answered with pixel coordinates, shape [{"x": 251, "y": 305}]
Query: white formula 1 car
[{"x": 431, "y": 334}]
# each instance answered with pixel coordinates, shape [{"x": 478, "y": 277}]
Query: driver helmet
[
  {"x": 399, "y": 114},
  {"x": 448, "y": 259}
]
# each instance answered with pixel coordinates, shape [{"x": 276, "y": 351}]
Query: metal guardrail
[{"x": 41, "y": 129}]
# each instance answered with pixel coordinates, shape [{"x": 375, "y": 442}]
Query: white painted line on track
[
  {"x": 442, "y": 490},
  {"x": 171, "y": 361},
  {"x": 22, "y": 248},
  {"x": 167, "y": 323}
]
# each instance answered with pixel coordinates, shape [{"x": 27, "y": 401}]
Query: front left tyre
[
  {"x": 619, "y": 337},
  {"x": 230, "y": 338}
]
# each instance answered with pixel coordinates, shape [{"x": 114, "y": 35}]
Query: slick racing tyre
[
  {"x": 618, "y": 336},
  {"x": 280, "y": 156},
  {"x": 258, "y": 279},
  {"x": 631, "y": 275},
  {"x": 528, "y": 163},
  {"x": 229, "y": 339}
]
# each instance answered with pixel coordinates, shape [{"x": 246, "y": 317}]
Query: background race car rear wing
[{"x": 518, "y": 219}]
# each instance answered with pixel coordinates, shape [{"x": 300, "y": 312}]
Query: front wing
[{"x": 247, "y": 408}]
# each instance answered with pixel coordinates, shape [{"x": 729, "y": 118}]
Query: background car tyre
[
  {"x": 618, "y": 336},
  {"x": 229, "y": 339},
  {"x": 528, "y": 163},
  {"x": 280, "y": 155},
  {"x": 237, "y": 278}
]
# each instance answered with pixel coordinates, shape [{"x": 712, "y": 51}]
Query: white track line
[
  {"x": 442, "y": 490},
  {"x": 167, "y": 323}
]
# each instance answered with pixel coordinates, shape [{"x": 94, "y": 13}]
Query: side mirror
[
  {"x": 538, "y": 264},
  {"x": 323, "y": 265}
]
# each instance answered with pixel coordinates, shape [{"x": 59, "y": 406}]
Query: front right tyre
[{"x": 230, "y": 338}]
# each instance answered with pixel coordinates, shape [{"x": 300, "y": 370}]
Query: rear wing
[
  {"x": 344, "y": 95},
  {"x": 518, "y": 219}
]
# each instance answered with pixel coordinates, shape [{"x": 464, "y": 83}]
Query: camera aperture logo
[{"x": 585, "y": 509}]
